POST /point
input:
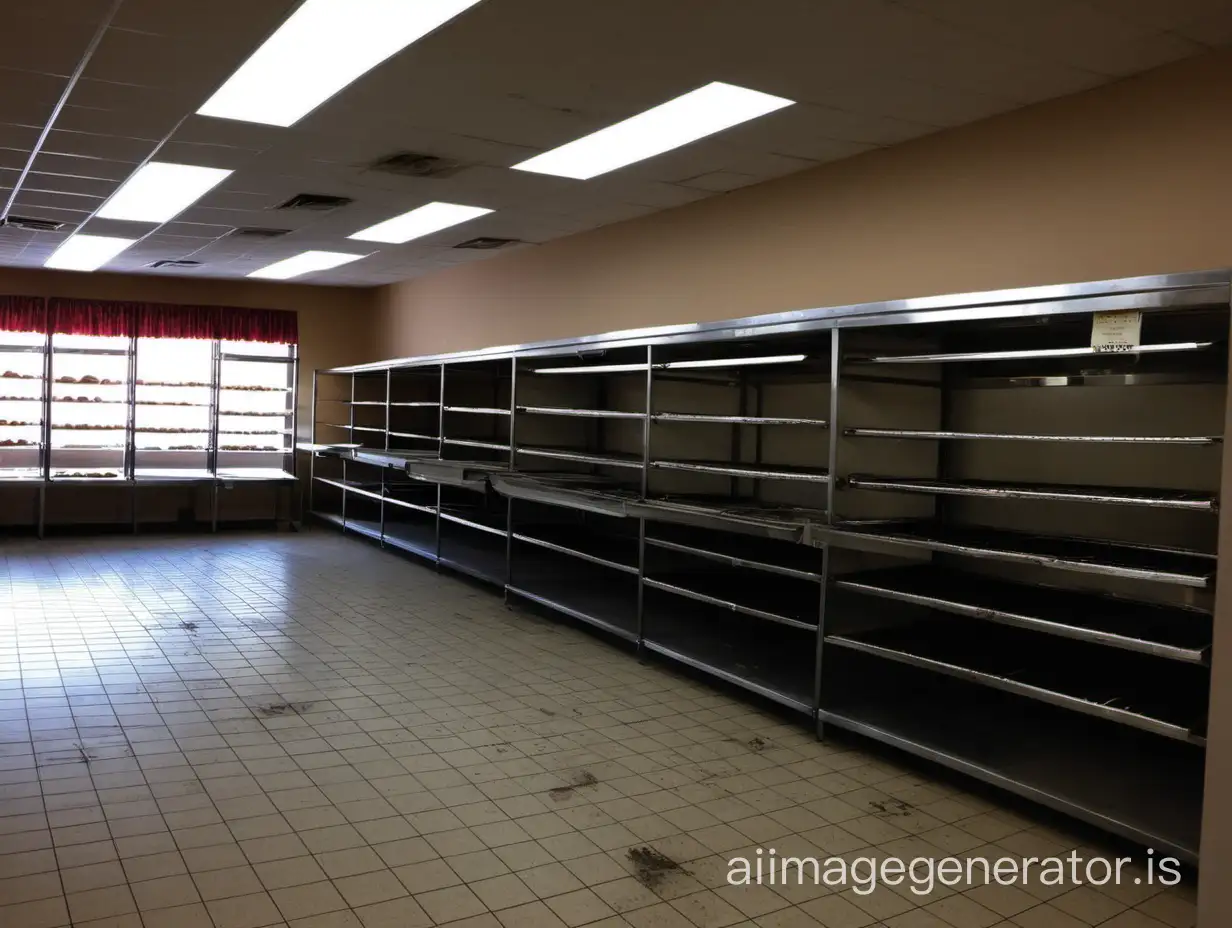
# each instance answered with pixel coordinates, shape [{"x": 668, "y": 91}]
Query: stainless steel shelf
[
  {"x": 1084, "y": 555},
  {"x": 583, "y": 413},
  {"x": 737, "y": 420},
  {"x": 727, "y": 592},
  {"x": 1129, "y": 689},
  {"x": 1029, "y": 354},
  {"x": 617, "y": 553},
  {"x": 477, "y": 443},
  {"x": 479, "y": 410},
  {"x": 604, "y": 459},
  {"x": 1169, "y": 632},
  {"x": 774, "y": 557},
  {"x": 754, "y": 471},
  {"x": 1119, "y": 496},
  {"x": 1004, "y": 436},
  {"x": 771, "y": 660}
]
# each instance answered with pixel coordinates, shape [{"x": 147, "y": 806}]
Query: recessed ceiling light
[
  {"x": 323, "y": 46},
  {"x": 669, "y": 125},
  {"x": 420, "y": 222},
  {"x": 160, "y": 191},
  {"x": 304, "y": 263},
  {"x": 87, "y": 252}
]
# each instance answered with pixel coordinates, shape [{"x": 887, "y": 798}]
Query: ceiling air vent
[
  {"x": 256, "y": 233},
  {"x": 175, "y": 262},
  {"x": 414, "y": 164},
  {"x": 485, "y": 243},
  {"x": 317, "y": 202},
  {"x": 34, "y": 225}
]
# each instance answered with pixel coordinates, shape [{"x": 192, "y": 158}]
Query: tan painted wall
[
  {"x": 1124, "y": 180},
  {"x": 334, "y": 322}
]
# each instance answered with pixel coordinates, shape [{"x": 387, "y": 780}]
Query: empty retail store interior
[{"x": 447, "y": 480}]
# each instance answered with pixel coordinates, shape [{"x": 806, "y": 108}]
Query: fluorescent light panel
[
  {"x": 674, "y": 365},
  {"x": 687, "y": 118},
  {"x": 307, "y": 262},
  {"x": 321, "y": 48},
  {"x": 87, "y": 252},
  {"x": 425, "y": 220},
  {"x": 160, "y": 191}
]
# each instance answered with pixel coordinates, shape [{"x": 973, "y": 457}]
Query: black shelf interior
[
  {"x": 1124, "y": 780},
  {"x": 579, "y": 588},
  {"x": 762, "y": 553},
  {"x": 773, "y": 660},
  {"x": 1172, "y": 693},
  {"x": 1183, "y": 633},
  {"x": 476, "y": 553}
]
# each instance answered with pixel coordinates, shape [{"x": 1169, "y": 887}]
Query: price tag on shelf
[{"x": 1116, "y": 331}]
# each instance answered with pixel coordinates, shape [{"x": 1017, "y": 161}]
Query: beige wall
[
  {"x": 1128, "y": 179},
  {"x": 1125, "y": 180},
  {"x": 334, "y": 322}
]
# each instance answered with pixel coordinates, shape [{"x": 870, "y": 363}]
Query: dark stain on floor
[
  {"x": 283, "y": 708},
  {"x": 582, "y": 779},
  {"x": 651, "y": 867}
]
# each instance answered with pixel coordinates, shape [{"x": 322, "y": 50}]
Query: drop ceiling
[{"x": 507, "y": 80}]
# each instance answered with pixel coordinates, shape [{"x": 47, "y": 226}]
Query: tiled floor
[{"x": 251, "y": 731}]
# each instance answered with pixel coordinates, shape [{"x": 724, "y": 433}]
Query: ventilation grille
[
  {"x": 33, "y": 225},
  {"x": 175, "y": 262},
  {"x": 316, "y": 202},
  {"x": 485, "y": 243},
  {"x": 254, "y": 232},
  {"x": 414, "y": 164}
]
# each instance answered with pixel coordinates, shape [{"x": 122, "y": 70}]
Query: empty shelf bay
[
  {"x": 477, "y": 554},
  {"x": 1159, "y": 697},
  {"x": 1026, "y": 355},
  {"x": 737, "y": 420},
  {"x": 581, "y": 413},
  {"x": 1120, "y": 779},
  {"x": 601, "y": 458},
  {"x": 586, "y": 592},
  {"x": 418, "y": 537},
  {"x": 370, "y": 490},
  {"x": 615, "y": 552},
  {"x": 780, "y": 603},
  {"x": 791, "y": 560},
  {"x": 987, "y": 489},
  {"x": 1171, "y": 632},
  {"x": 1176, "y": 566},
  {"x": 755, "y": 471},
  {"x": 774, "y": 661},
  {"x": 924, "y": 434}
]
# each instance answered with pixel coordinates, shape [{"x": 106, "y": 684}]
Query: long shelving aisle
[{"x": 962, "y": 527}]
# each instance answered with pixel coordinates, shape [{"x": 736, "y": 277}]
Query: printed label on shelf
[{"x": 1121, "y": 331}]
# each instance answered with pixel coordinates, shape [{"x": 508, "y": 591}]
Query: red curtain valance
[
  {"x": 92, "y": 317},
  {"x": 163, "y": 320},
  {"x": 23, "y": 314}
]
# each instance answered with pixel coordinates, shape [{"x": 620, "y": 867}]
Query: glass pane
[
  {"x": 173, "y": 414},
  {"x": 255, "y": 410}
]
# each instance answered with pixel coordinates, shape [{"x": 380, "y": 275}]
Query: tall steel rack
[
  {"x": 216, "y": 466},
  {"x": 948, "y": 524}
]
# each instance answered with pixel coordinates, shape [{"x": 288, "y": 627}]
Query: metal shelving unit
[{"x": 870, "y": 515}]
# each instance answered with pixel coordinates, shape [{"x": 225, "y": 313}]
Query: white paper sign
[{"x": 1116, "y": 331}]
